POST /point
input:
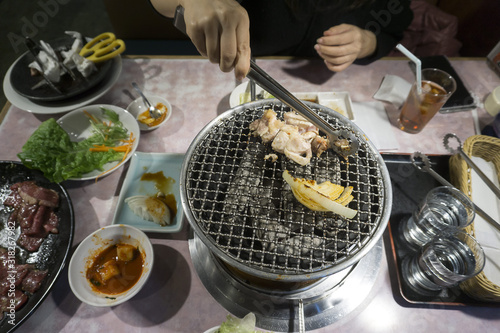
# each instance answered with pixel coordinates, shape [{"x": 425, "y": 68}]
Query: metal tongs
[
  {"x": 342, "y": 142},
  {"x": 417, "y": 158}
]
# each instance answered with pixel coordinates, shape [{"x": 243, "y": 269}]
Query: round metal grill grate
[{"x": 239, "y": 205}]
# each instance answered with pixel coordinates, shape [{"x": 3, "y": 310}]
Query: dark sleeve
[{"x": 387, "y": 19}]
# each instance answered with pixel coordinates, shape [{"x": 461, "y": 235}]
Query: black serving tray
[
  {"x": 409, "y": 186},
  {"x": 54, "y": 252}
]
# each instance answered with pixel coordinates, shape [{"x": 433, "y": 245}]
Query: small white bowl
[
  {"x": 92, "y": 246},
  {"x": 137, "y": 107}
]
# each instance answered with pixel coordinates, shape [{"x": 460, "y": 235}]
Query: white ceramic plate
[
  {"x": 212, "y": 330},
  {"x": 77, "y": 125},
  {"x": 338, "y": 101},
  {"x": 65, "y": 105},
  {"x": 141, "y": 163},
  {"x": 238, "y": 95},
  {"x": 137, "y": 107},
  {"x": 91, "y": 246}
]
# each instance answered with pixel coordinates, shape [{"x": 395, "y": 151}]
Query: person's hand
[
  {"x": 220, "y": 30},
  {"x": 342, "y": 44}
]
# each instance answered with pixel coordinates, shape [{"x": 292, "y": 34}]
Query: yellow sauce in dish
[{"x": 146, "y": 118}]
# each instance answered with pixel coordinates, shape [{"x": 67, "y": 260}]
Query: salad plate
[
  {"x": 148, "y": 174},
  {"x": 76, "y": 124}
]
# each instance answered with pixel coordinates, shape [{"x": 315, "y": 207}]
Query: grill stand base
[{"x": 325, "y": 303}]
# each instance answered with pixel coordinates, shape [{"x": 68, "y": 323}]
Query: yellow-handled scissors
[{"x": 103, "y": 47}]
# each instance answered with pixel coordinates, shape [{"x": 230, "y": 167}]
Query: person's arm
[
  {"x": 218, "y": 28},
  {"x": 166, "y": 7}
]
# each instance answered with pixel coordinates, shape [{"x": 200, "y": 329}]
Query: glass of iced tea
[{"x": 419, "y": 108}]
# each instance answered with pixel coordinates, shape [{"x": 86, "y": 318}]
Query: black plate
[
  {"x": 22, "y": 81},
  {"x": 54, "y": 251}
]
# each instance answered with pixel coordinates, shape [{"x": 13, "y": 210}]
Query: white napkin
[
  {"x": 372, "y": 118},
  {"x": 393, "y": 89},
  {"x": 487, "y": 236}
]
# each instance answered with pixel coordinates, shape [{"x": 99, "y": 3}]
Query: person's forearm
[{"x": 166, "y": 7}]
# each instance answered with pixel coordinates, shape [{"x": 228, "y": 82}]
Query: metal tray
[{"x": 410, "y": 187}]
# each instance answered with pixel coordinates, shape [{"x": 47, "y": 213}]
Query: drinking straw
[{"x": 418, "y": 65}]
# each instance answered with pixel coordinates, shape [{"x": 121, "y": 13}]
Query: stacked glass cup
[{"x": 443, "y": 253}]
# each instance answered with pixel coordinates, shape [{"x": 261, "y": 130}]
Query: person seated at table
[{"x": 341, "y": 32}]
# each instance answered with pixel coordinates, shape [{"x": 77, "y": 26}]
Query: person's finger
[
  {"x": 229, "y": 40},
  {"x": 243, "y": 51},
  {"x": 341, "y": 38},
  {"x": 337, "y": 67},
  {"x": 336, "y": 51},
  {"x": 338, "y": 64},
  {"x": 227, "y": 50},
  {"x": 339, "y": 29},
  {"x": 212, "y": 41}
]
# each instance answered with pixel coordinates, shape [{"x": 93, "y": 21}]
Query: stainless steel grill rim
[{"x": 235, "y": 200}]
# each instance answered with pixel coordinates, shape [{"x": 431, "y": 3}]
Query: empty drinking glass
[
  {"x": 444, "y": 209},
  {"x": 443, "y": 263}
]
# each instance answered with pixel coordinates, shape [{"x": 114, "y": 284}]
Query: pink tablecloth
[{"x": 174, "y": 300}]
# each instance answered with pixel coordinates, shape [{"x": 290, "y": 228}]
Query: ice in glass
[{"x": 419, "y": 108}]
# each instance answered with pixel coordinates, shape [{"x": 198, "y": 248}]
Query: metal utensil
[
  {"x": 302, "y": 323},
  {"x": 252, "y": 88},
  {"x": 59, "y": 62},
  {"x": 153, "y": 111},
  {"x": 32, "y": 49},
  {"x": 341, "y": 141},
  {"x": 458, "y": 149},
  {"x": 426, "y": 167}
]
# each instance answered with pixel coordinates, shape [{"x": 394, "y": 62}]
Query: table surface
[{"x": 174, "y": 299}]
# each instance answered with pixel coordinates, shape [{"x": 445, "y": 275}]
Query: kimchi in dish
[{"x": 116, "y": 269}]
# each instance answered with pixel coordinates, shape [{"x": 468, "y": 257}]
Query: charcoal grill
[{"x": 244, "y": 212}]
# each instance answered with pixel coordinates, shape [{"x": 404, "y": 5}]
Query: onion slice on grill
[{"x": 321, "y": 197}]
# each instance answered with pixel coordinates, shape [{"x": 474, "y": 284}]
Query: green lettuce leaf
[
  {"x": 50, "y": 150},
  {"x": 237, "y": 325}
]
